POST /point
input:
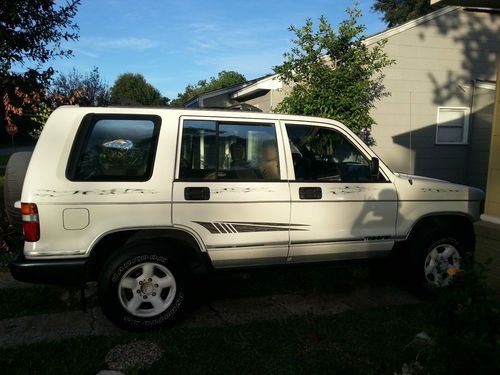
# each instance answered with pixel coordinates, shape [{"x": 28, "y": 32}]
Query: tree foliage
[
  {"x": 397, "y": 12},
  {"x": 31, "y": 34},
  {"x": 224, "y": 79},
  {"x": 333, "y": 74},
  {"x": 132, "y": 89},
  {"x": 87, "y": 89},
  {"x": 68, "y": 89}
]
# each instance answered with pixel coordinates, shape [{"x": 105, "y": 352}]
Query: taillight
[{"x": 31, "y": 222}]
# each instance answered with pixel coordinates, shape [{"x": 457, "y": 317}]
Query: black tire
[
  {"x": 421, "y": 261},
  {"x": 15, "y": 171},
  {"x": 130, "y": 261}
]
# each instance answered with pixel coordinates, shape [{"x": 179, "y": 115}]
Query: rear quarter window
[{"x": 114, "y": 148}]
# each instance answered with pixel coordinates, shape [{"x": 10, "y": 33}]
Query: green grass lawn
[
  {"x": 372, "y": 341},
  {"x": 365, "y": 341},
  {"x": 376, "y": 341}
]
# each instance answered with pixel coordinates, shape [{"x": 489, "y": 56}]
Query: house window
[{"x": 452, "y": 125}]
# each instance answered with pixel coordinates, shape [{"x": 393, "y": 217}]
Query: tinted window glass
[
  {"x": 119, "y": 149},
  {"x": 322, "y": 154},
  {"x": 228, "y": 151}
]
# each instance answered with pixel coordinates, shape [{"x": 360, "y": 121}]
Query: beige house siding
[
  {"x": 437, "y": 63},
  {"x": 270, "y": 100},
  {"x": 263, "y": 102}
]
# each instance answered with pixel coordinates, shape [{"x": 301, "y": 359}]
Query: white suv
[{"x": 141, "y": 199}]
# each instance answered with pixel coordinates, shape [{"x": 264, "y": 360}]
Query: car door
[
  {"x": 345, "y": 210},
  {"x": 231, "y": 189}
]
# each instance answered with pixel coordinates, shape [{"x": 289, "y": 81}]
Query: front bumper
[{"x": 53, "y": 271}]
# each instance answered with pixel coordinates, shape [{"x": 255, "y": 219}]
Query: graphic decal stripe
[
  {"x": 255, "y": 228},
  {"x": 258, "y": 223},
  {"x": 227, "y": 227},
  {"x": 208, "y": 226},
  {"x": 220, "y": 227}
]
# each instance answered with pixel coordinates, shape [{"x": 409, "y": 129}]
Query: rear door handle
[
  {"x": 310, "y": 193},
  {"x": 196, "y": 193}
]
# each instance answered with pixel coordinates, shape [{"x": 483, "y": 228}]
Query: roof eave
[
  {"x": 253, "y": 88},
  {"x": 492, "y": 4},
  {"x": 409, "y": 25}
]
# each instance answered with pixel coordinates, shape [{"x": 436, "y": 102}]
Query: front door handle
[
  {"x": 196, "y": 193},
  {"x": 310, "y": 193}
]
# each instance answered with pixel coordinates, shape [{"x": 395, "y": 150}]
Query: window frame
[
  {"x": 84, "y": 133},
  {"x": 465, "y": 128},
  {"x": 231, "y": 121}
]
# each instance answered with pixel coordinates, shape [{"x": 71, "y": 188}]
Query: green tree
[
  {"x": 396, "y": 12},
  {"x": 73, "y": 88},
  {"x": 31, "y": 33},
  {"x": 87, "y": 89},
  {"x": 334, "y": 74},
  {"x": 132, "y": 89},
  {"x": 41, "y": 114},
  {"x": 224, "y": 79}
]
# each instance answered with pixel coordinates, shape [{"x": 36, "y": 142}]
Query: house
[
  {"x": 222, "y": 98},
  {"x": 437, "y": 120}
]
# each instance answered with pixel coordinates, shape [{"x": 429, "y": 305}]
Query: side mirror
[{"x": 374, "y": 168}]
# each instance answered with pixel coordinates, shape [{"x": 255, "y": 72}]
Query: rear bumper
[{"x": 57, "y": 271}]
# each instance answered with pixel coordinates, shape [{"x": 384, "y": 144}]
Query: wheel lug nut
[
  {"x": 150, "y": 279},
  {"x": 138, "y": 291},
  {"x": 145, "y": 297},
  {"x": 156, "y": 285},
  {"x": 140, "y": 282},
  {"x": 153, "y": 294}
]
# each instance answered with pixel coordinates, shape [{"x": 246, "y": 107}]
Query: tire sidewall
[{"x": 110, "y": 278}]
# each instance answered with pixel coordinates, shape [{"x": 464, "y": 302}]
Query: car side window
[
  {"x": 213, "y": 150},
  {"x": 114, "y": 148},
  {"x": 323, "y": 154}
]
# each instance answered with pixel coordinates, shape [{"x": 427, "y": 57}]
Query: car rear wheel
[{"x": 143, "y": 287}]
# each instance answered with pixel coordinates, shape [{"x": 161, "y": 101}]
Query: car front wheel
[{"x": 435, "y": 259}]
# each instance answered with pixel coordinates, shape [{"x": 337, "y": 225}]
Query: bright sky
[{"x": 177, "y": 42}]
